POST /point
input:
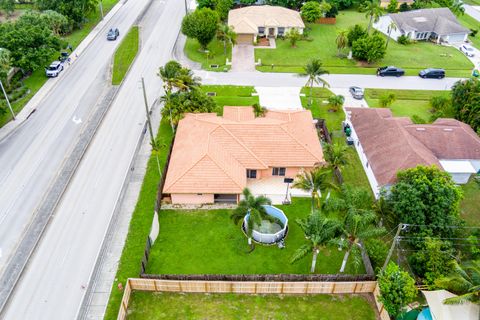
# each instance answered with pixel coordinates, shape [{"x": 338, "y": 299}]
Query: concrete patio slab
[
  {"x": 280, "y": 98},
  {"x": 275, "y": 189}
]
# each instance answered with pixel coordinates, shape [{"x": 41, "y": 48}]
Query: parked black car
[
  {"x": 390, "y": 71},
  {"x": 432, "y": 73},
  {"x": 113, "y": 33}
]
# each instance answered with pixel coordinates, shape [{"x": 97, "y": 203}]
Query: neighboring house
[
  {"x": 439, "y": 25},
  {"x": 250, "y": 22},
  {"x": 385, "y": 3},
  {"x": 387, "y": 144},
  {"x": 215, "y": 157}
]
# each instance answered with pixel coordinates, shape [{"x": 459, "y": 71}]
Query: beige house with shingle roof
[
  {"x": 250, "y": 22},
  {"x": 387, "y": 144},
  {"x": 215, "y": 157}
]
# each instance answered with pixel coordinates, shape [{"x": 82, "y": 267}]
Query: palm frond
[{"x": 301, "y": 252}]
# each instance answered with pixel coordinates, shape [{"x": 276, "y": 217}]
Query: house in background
[
  {"x": 385, "y": 3},
  {"x": 387, "y": 144},
  {"x": 215, "y": 157},
  {"x": 439, "y": 25},
  {"x": 268, "y": 21}
]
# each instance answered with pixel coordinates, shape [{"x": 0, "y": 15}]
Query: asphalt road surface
[{"x": 52, "y": 287}]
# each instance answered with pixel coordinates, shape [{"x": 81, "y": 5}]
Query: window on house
[
  {"x": 251, "y": 174},
  {"x": 278, "y": 172},
  {"x": 261, "y": 30},
  {"x": 280, "y": 31}
]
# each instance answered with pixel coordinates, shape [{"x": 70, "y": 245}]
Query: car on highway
[
  {"x": 467, "y": 50},
  {"x": 390, "y": 71},
  {"x": 432, "y": 73},
  {"x": 54, "y": 69},
  {"x": 112, "y": 34},
  {"x": 356, "y": 92}
]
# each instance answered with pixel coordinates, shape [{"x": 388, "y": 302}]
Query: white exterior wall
[
  {"x": 460, "y": 178},
  {"x": 367, "y": 168},
  {"x": 382, "y": 26},
  {"x": 287, "y": 29},
  {"x": 476, "y": 165}
]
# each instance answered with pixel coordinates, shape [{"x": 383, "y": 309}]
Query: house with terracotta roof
[
  {"x": 436, "y": 24},
  {"x": 215, "y": 157},
  {"x": 387, "y": 144},
  {"x": 264, "y": 21}
]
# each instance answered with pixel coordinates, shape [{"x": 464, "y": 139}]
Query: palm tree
[
  {"x": 373, "y": 10},
  {"x": 336, "y": 102},
  {"x": 464, "y": 280},
  {"x": 318, "y": 231},
  {"x": 392, "y": 26},
  {"x": 359, "y": 222},
  {"x": 314, "y": 71},
  {"x": 254, "y": 206},
  {"x": 226, "y": 34},
  {"x": 315, "y": 182},
  {"x": 258, "y": 110},
  {"x": 341, "y": 41},
  {"x": 458, "y": 8},
  {"x": 336, "y": 155}
]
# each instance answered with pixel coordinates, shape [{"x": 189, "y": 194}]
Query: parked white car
[
  {"x": 54, "y": 69},
  {"x": 468, "y": 50}
]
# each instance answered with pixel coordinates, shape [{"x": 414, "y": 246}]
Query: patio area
[{"x": 275, "y": 189}]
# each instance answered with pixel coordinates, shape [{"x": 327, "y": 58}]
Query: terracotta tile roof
[
  {"x": 248, "y": 19},
  {"x": 392, "y": 144},
  {"x": 211, "y": 154}
]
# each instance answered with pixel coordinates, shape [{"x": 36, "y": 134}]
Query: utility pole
[
  {"x": 186, "y": 7},
  {"x": 152, "y": 138},
  {"x": 8, "y": 101},
  {"x": 400, "y": 227},
  {"x": 101, "y": 8}
]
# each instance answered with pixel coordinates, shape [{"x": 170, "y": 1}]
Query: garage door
[
  {"x": 245, "y": 38},
  {"x": 456, "y": 38}
]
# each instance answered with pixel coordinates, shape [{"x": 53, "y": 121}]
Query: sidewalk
[{"x": 30, "y": 107}]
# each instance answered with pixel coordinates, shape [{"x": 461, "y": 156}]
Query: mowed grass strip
[
  {"x": 469, "y": 205},
  {"x": 124, "y": 55},
  {"x": 129, "y": 266},
  {"x": 216, "y": 54},
  {"x": 146, "y": 305},
  {"x": 231, "y": 95}
]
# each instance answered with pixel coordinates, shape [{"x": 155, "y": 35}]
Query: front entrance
[{"x": 271, "y": 32}]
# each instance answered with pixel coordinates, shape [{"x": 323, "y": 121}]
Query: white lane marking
[{"x": 77, "y": 120}]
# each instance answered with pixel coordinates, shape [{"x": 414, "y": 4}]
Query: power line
[{"x": 435, "y": 226}]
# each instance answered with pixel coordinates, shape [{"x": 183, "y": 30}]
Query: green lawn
[
  {"x": 36, "y": 80},
  {"x": 140, "y": 223},
  {"x": 146, "y": 305},
  {"x": 472, "y": 2},
  {"x": 207, "y": 242},
  {"x": 408, "y": 102},
  {"x": 469, "y": 206},
  {"x": 215, "y": 55},
  {"x": 471, "y": 23},
  {"x": 124, "y": 55},
  {"x": 412, "y": 58},
  {"x": 232, "y": 95}
]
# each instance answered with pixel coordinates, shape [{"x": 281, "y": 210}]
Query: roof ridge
[
  {"x": 223, "y": 169},
  {"x": 296, "y": 140},
  {"x": 186, "y": 171},
  {"x": 409, "y": 138},
  {"x": 242, "y": 144}
]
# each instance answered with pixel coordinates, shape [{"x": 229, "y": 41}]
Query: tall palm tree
[
  {"x": 465, "y": 281},
  {"x": 341, "y": 41},
  {"x": 458, "y": 8},
  {"x": 335, "y": 102},
  {"x": 226, "y": 34},
  {"x": 391, "y": 27},
  {"x": 314, "y": 71},
  {"x": 355, "y": 204},
  {"x": 319, "y": 231},
  {"x": 315, "y": 181},
  {"x": 254, "y": 206},
  {"x": 336, "y": 155},
  {"x": 373, "y": 11}
]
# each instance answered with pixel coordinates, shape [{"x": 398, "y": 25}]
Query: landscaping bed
[
  {"x": 412, "y": 58},
  {"x": 409, "y": 103},
  {"x": 146, "y": 305},
  {"x": 208, "y": 242}
]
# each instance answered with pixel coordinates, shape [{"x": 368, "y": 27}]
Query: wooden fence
[{"x": 250, "y": 287}]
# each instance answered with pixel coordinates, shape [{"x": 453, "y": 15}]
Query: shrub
[
  {"x": 311, "y": 11},
  {"x": 473, "y": 32},
  {"x": 369, "y": 48},
  {"x": 392, "y": 6},
  {"x": 377, "y": 251},
  {"x": 293, "y": 36},
  {"x": 404, "y": 7},
  {"x": 333, "y": 12},
  {"x": 354, "y": 33},
  {"x": 387, "y": 99},
  {"x": 403, "y": 39}
]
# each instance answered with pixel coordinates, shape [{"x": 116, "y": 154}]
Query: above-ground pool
[
  {"x": 425, "y": 315},
  {"x": 269, "y": 232}
]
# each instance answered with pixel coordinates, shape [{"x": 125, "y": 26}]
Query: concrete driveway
[
  {"x": 280, "y": 98},
  {"x": 349, "y": 100},
  {"x": 243, "y": 58}
]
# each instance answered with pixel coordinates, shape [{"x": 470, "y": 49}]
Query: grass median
[{"x": 125, "y": 55}]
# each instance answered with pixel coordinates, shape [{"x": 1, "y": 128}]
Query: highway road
[{"x": 52, "y": 286}]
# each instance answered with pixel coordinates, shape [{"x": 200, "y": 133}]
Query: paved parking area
[
  {"x": 280, "y": 98},
  {"x": 243, "y": 58}
]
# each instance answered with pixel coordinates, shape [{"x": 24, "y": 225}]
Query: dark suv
[
  {"x": 390, "y": 71},
  {"x": 432, "y": 73}
]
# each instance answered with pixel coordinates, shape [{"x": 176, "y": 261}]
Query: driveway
[
  {"x": 280, "y": 98},
  {"x": 243, "y": 58},
  {"x": 350, "y": 102}
]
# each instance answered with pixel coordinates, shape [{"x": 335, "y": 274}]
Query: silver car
[
  {"x": 357, "y": 92},
  {"x": 54, "y": 69},
  {"x": 467, "y": 50}
]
